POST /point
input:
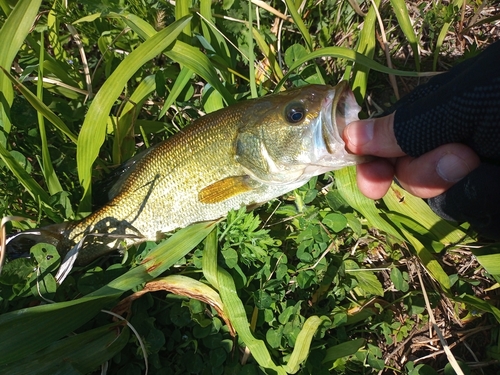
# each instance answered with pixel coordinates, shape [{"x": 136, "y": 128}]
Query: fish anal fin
[{"x": 224, "y": 189}]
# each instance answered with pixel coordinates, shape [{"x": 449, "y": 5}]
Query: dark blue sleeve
[
  {"x": 463, "y": 106},
  {"x": 475, "y": 199}
]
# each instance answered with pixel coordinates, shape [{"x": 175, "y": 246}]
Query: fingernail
[
  {"x": 360, "y": 133},
  {"x": 452, "y": 168}
]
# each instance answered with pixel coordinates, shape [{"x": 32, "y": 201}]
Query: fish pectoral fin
[{"x": 224, "y": 189}]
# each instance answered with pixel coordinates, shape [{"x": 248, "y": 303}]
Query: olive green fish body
[
  {"x": 162, "y": 193},
  {"x": 243, "y": 155}
]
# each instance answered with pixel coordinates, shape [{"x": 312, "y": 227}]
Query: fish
[{"x": 242, "y": 155}]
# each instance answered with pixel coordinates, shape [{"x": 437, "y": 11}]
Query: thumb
[{"x": 372, "y": 137}]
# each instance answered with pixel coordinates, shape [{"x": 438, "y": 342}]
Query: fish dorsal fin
[{"x": 224, "y": 189}]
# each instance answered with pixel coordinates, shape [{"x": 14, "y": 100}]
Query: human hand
[
  {"x": 426, "y": 176},
  {"x": 459, "y": 186},
  {"x": 441, "y": 142}
]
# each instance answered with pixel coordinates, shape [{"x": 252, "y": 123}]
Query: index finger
[{"x": 372, "y": 137}]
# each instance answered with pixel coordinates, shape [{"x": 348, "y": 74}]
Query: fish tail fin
[{"x": 18, "y": 245}]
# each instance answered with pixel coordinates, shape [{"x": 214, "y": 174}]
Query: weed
[{"x": 320, "y": 281}]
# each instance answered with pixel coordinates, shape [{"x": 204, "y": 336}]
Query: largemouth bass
[{"x": 243, "y": 155}]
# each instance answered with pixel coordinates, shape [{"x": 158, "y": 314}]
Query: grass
[{"x": 320, "y": 281}]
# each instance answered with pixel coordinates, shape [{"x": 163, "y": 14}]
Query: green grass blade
[
  {"x": 214, "y": 36},
  {"x": 168, "y": 252},
  {"x": 398, "y": 200},
  {"x": 160, "y": 259},
  {"x": 269, "y": 53},
  {"x": 188, "y": 287},
  {"x": 53, "y": 184},
  {"x": 137, "y": 24},
  {"x": 206, "y": 14},
  {"x": 181, "y": 11},
  {"x": 348, "y": 54},
  {"x": 366, "y": 47},
  {"x": 4, "y": 4},
  {"x": 200, "y": 64},
  {"x": 140, "y": 94},
  {"x": 38, "y": 327},
  {"x": 251, "y": 55},
  {"x": 304, "y": 31},
  {"x": 401, "y": 12},
  {"x": 24, "y": 178},
  {"x": 25, "y": 331},
  {"x": 91, "y": 18},
  {"x": 439, "y": 43},
  {"x": 124, "y": 140},
  {"x": 41, "y": 107},
  {"x": 60, "y": 70},
  {"x": 209, "y": 260},
  {"x": 13, "y": 33},
  {"x": 236, "y": 313},
  {"x": 346, "y": 184},
  {"x": 303, "y": 344},
  {"x": 479, "y": 304},
  {"x": 185, "y": 55},
  {"x": 54, "y": 33},
  {"x": 442, "y": 34},
  {"x": 93, "y": 129},
  {"x": 431, "y": 264},
  {"x": 180, "y": 83},
  {"x": 212, "y": 99},
  {"x": 489, "y": 257},
  {"x": 427, "y": 258},
  {"x": 297, "y": 19},
  {"x": 343, "y": 350},
  {"x": 76, "y": 354},
  {"x": 413, "y": 226}
]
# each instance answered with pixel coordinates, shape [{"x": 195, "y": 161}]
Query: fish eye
[{"x": 295, "y": 113}]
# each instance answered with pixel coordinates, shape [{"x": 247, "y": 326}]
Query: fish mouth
[{"x": 340, "y": 109}]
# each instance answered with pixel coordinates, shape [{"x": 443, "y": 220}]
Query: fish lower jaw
[{"x": 327, "y": 160}]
